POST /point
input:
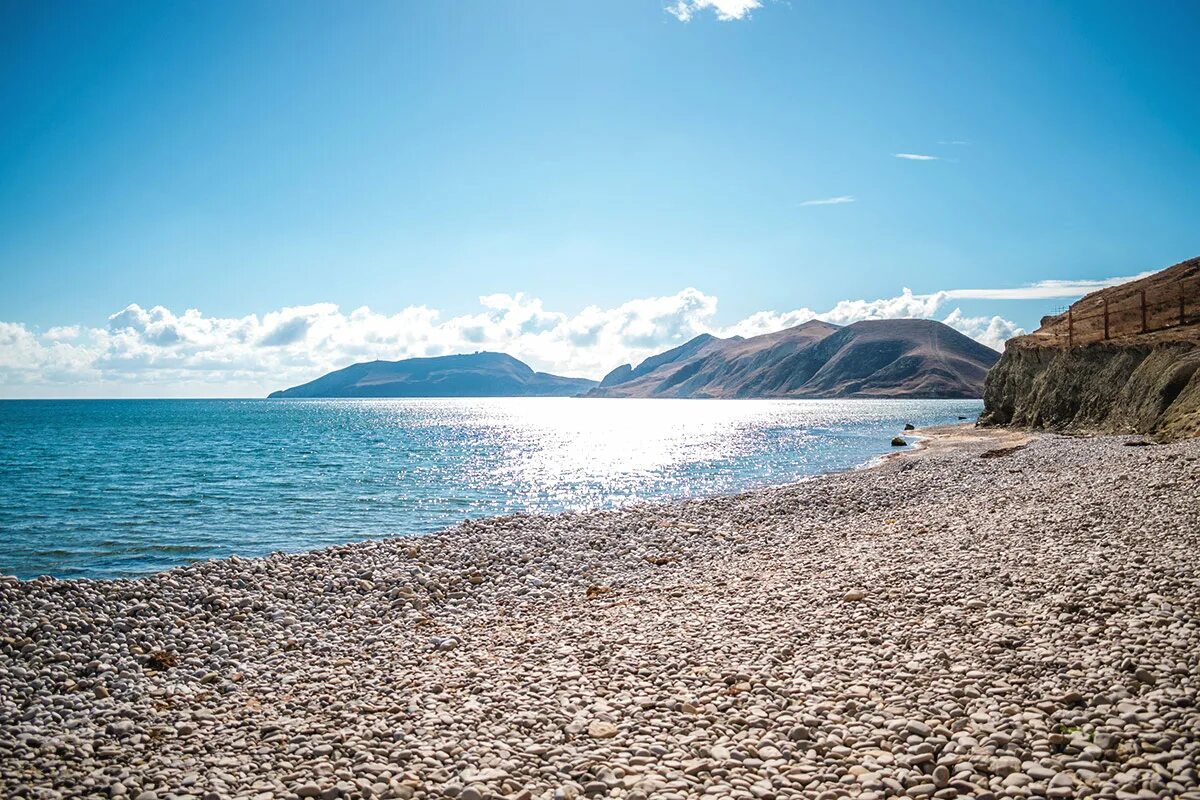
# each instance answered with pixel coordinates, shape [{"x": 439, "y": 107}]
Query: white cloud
[
  {"x": 726, "y": 10},
  {"x": 916, "y": 157},
  {"x": 830, "y": 201},
  {"x": 991, "y": 331},
  {"x": 157, "y": 352}
]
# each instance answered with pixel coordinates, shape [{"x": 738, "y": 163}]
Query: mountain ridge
[
  {"x": 873, "y": 358},
  {"x": 482, "y": 374}
]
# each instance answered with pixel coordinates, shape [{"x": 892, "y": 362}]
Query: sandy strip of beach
[{"x": 1025, "y": 624}]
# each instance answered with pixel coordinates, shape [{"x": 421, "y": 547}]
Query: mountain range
[
  {"x": 873, "y": 358},
  {"x": 876, "y": 358}
]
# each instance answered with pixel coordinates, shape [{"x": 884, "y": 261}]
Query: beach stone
[
  {"x": 939, "y": 625},
  {"x": 1005, "y": 766},
  {"x": 599, "y": 729},
  {"x": 918, "y": 728}
]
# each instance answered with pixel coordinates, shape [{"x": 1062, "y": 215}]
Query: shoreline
[
  {"x": 951, "y": 436},
  {"x": 939, "y": 625}
]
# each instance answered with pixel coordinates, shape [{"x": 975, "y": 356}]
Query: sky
[{"x": 222, "y": 199}]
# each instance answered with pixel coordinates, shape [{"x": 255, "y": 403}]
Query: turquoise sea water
[{"x": 98, "y": 488}]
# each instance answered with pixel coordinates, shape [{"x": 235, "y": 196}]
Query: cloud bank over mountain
[{"x": 155, "y": 352}]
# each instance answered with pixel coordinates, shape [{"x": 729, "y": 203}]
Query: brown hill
[
  {"x": 1121, "y": 360},
  {"x": 467, "y": 375},
  {"x": 1166, "y": 302},
  {"x": 875, "y": 358}
]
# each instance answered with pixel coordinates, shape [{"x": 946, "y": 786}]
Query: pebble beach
[{"x": 994, "y": 615}]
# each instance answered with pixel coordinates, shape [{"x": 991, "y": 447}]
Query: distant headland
[{"x": 471, "y": 375}]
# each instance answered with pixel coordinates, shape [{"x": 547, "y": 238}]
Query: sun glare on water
[{"x": 251, "y": 477}]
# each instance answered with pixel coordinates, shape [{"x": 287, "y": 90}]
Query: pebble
[
  {"x": 1032, "y": 630},
  {"x": 602, "y": 730}
]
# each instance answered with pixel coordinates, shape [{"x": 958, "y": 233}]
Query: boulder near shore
[{"x": 942, "y": 625}]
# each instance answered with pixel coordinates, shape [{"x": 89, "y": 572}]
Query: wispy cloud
[
  {"x": 830, "y": 201},
  {"x": 726, "y": 10},
  {"x": 1042, "y": 290},
  {"x": 916, "y": 157},
  {"x": 953, "y": 142}
]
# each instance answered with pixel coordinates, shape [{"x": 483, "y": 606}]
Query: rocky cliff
[{"x": 1136, "y": 381}]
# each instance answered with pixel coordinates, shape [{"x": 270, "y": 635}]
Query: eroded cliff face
[{"x": 1143, "y": 386}]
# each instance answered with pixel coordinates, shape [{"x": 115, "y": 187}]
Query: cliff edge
[{"x": 1121, "y": 360}]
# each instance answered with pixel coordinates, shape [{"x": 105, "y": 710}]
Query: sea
[{"x": 120, "y": 488}]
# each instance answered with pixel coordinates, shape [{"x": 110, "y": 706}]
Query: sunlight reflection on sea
[{"x": 116, "y": 488}]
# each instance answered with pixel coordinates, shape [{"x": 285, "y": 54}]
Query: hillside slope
[
  {"x": 875, "y": 358},
  {"x": 1144, "y": 378},
  {"x": 474, "y": 375}
]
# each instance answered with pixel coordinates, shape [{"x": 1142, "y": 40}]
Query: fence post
[
  {"x": 1143, "y": 310},
  {"x": 1106, "y": 319},
  {"x": 1070, "y": 328},
  {"x": 1182, "y": 320}
]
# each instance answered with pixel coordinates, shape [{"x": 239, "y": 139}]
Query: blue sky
[{"x": 244, "y": 159}]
